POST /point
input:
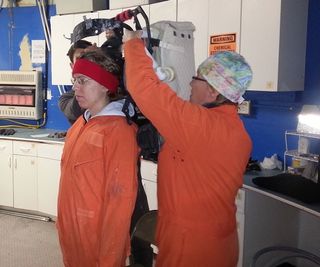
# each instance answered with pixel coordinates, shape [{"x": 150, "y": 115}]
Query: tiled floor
[{"x": 28, "y": 243}]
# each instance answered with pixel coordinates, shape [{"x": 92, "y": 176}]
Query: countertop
[
  {"x": 249, "y": 185},
  {"x": 36, "y": 135}
]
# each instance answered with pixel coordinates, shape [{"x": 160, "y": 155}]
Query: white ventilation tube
[{"x": 165, "y": 74}]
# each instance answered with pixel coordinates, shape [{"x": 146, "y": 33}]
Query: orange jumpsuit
[
  {"x": 200, "y": 169},
  {"x": 97, "y": 193}
]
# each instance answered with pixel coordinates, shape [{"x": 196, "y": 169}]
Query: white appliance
[
  {"x": 21, "y": 95},
  {"x": 115, "y": 4},
  {"x": 83, "y": 6}
]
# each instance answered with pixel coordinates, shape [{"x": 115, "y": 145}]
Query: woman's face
[
  {"x": 201, "y": 91},
  {"x": 89, "y": 93}
]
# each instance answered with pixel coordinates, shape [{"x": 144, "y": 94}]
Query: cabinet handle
[
  {"x": 15, "y": 163},
  {"x": 25, "y": 149},
  {"x": 9, "y": 162}
]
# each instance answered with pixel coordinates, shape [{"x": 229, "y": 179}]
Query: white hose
[
  {"x": 43, "y": 25},
  {"x": 45, "y": 19},
  {"x": 165, "y": 74}
]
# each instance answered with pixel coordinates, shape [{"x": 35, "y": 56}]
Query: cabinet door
[
  {"x": 240, "y": 229},
  {"x": 260, "y": 38},
  {"x": 48, "y": 185},
  {"x": 273, "y": 40},
  {"x": 225, "y": 18},
  {"x": 6, "y": 180},
  {"x": 240, "y": 216},
  {"x": 49, "y": 156},
  {"x": 197, "y": 13},
  {"x": 61, "y": 28},
  {"x": 25, "y": 182},
  {"x": 150, "y": 188},
  {"x": 163, "y": 11}
]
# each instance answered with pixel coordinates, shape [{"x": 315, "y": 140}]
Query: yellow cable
[{"x": 24, "y": 125}]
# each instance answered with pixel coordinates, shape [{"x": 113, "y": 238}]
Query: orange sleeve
[
  {"x": 177, "y": 120},
  {"x": 120, "y": 195}
]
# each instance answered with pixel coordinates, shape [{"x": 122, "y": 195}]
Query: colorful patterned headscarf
[{"x": 228, "y": 73}]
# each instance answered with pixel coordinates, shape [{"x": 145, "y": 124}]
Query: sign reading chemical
[{"x": 222, "y": 42}]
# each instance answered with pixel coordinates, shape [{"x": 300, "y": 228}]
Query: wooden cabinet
[{"x": 6, "y": 177}]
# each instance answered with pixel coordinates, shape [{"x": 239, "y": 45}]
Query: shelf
[
  {"x": 309, "y": 135},
  {"x": 296, "y": 154}
]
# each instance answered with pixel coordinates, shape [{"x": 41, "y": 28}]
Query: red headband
[{"x": 97, "y": 73}]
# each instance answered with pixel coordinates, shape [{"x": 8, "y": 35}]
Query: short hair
[
  {"x": 78, "y": 44},
  {"x": 105, "y": 61}
]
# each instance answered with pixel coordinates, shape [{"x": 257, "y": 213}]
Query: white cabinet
[
  {"x": 6, "y": 177},
  {"x": 270, "y": 34},
  {"x": 240, "y": 216},
  {"x": 225, "y": 18},
  {"x": 197, "y": 12},
  {"x": 75, "y": 6},
  {"x": 62, "y": 27},
  {"x": 273, "y": 40},
  {"x": 30, "y": 173},
  {"x": 149, "y": 182},
  {"x": 166, "y": 10},
  {"x": 25, "y": 175},
  {"x": 49, "y": 156}
]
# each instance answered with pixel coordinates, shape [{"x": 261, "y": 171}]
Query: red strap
[{"x": 97, "y": 73}]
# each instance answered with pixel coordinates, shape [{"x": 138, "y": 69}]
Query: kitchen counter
[
  {"x": 36, "y": 135},
  {"x": 249, "y": 185}
]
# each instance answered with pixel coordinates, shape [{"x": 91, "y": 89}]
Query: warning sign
[{"x": 222, "y": 42}]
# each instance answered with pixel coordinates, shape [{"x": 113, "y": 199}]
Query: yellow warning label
[{"x": 222, "y": 42}]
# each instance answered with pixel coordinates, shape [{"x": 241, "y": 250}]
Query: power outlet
[{"x": 244, "y": 107}]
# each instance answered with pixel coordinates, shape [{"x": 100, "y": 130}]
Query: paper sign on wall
[
  {"x": 38, "y": 51},
  {"x": 222, "y": 42}
]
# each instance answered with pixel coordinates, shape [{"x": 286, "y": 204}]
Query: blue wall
[
  {"x": 15, "y": 23},
  {"x": 272, "y": 113}
]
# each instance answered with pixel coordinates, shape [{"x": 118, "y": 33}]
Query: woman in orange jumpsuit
[
  {"x": 98, "y": 183},
  {"x": 203, "y": 158}
]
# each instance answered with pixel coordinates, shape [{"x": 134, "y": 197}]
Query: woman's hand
[{"x": 128, "y": 35}]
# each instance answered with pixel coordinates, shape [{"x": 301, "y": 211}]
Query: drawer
[
  {"x": 5, "y": 147},
  {"x": 50, "y": 151},
  {"x": 149, "y": 170},
  {"x": 24, "y": 148},
  {"x": 240, "y": 200}
]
